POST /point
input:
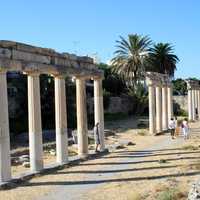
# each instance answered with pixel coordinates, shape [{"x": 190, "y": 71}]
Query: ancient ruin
[
  {"x": 34, "y": 61},
  {"x": 193, "y": 99},
  {"x": 160, "y": 101}
]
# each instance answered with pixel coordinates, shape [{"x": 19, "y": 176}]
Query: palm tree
[
  {"x": 162, "y": 59},
  {"x": 129, "y": 57}
]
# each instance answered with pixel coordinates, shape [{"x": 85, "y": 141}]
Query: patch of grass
[
  {"x": 171, "y": 194},
  {"x": 190, "y": 147}
]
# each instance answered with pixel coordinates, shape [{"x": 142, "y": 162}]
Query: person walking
[
  {"x": 177, "y": 126},
  {"x": 172, "y": 127},
  {"x": 185, "y": 128},
  {"x": 96, "y": 137}
]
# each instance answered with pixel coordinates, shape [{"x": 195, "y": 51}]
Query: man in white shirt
[{"x": 172, "y": 126}]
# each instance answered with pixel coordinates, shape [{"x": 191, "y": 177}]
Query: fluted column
[
  {"x": 164, "y": 108},
  {"x": 82, "y": 128},
  {"x": 190, "y": 107},
  {"x": 35, "y": 127},
  {"x": 170, "y": 102},
  {"x": 193, "y": 105},
  {"x": 98, "y": 109},
  {"x": 152, "y": 116},
  {"x": 61, "y": 120},
  {"x": 5, "y": 164},
  {"x": 158, "y": 109}
]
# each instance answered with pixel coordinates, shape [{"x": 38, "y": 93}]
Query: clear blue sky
[{"x": 92, "y": 26}]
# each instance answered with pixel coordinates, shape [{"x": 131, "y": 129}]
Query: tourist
[
  {"x": 177, "y": 129},
  {"x": 185, "y": 128},
  {"x": 172, "y": 127},
  {"x": 96, "y": 137}
]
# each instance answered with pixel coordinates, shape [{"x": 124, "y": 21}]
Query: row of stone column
[
  {"x": 35, "y": 125},
  {"x": 193, "y": 103},
  {"x": 160, "y": 105}
]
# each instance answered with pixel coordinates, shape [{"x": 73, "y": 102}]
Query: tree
[
  {"x": 129, "y": 57},
  {"x": 179, "y": 87},
  {"x": 162, "y": 59},
  {"x": 112, "y": 82}
]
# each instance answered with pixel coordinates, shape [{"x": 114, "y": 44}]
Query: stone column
[
  {"x": 151, "y": 109},
  {"x": 61, "y": 121},
  {"x": 5, "y": 164},
  {"x": 170, "y": 102},
  {"x": 193, "y": 105},
  {"x": 190, "y": 107},
  {"x": 158, "y": 109},
  {"x": 98, "y": 109},
  {"x": 198, "y": 104},
  {"x": 35, "y": 127},
  {"x": 82, "y": 128},
  {"x": 164, "y": 108}
]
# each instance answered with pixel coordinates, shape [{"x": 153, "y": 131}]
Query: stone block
[
  {"x": 5, "y": 53},
  {"x": 20, "y": 55},
  {"x": 60, "y": 61},
  {"x": 26, "y": 164},
  {"x": 8, "y": 44},
  {"x": 33, "y": 49},
  {"x": 85, "y": 59}
]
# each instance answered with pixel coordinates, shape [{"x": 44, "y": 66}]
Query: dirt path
[
  {"x": 149, "y": 167},
  {"x": 108, "y": 172}
]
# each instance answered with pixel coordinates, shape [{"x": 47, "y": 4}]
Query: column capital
[
  {"x": 95, "y": 78},
  {"x": 60, "y": 76},
  {"x": 81, "y": 77},
  {"x": 32, "y": 73}
]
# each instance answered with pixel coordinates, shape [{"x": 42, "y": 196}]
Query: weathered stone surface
[
  {"x": 194, "y": 193},
  {"x": 20, "y": 55},
  {"x": 10, "y": 65},
  {"x": 24, "y": 158},
  {"x": 85, "y": 59},
  {"x": 5, "y": 53},
  {"x": 16, "y": 56},
  {"x": 60, "y": 61},
  {"x": 26, "y": 164},
  {"x": 192, "y": 84},
  {"x": 52, "y": 152}
]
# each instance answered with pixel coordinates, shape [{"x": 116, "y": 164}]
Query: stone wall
[
  {"x": 182, "y": 101},
  {"x": 115, "y": 105}
]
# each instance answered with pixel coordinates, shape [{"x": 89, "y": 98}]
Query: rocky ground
[{"x": 152, "y": 167}]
